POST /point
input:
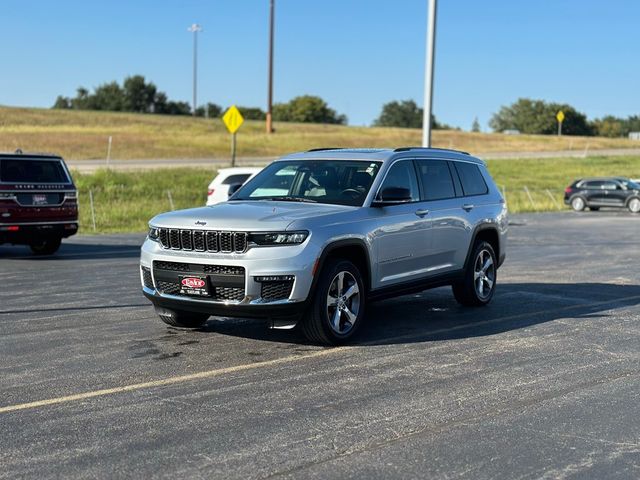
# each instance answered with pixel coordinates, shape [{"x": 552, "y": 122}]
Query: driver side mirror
[
  {"x": 234, "y": 188},
  {"x": 392, "y": 196}
]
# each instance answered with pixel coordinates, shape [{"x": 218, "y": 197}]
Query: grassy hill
[{"x": 84, "y": 134}]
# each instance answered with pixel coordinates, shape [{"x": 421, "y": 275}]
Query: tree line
[
  {"x": 525, "y": 115},
  {"x": 139, "y": 96}
]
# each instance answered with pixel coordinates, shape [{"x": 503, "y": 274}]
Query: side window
[
  {"x": 403, "y": 175},
  {"x": 609, "y": 185},
  {"x": 471, "y": 178},
  {"x": 593, "y": 185},
  {"x": 233, "y": 179},
  {"x": 436, "y": 179}
]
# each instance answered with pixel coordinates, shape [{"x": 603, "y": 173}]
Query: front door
[{"x": 402, "y": 238}]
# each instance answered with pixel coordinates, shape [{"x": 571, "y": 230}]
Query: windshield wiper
[{"x": 291, "y": 199}]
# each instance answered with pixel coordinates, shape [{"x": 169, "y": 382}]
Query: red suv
[{"x": 38, "y": 201}]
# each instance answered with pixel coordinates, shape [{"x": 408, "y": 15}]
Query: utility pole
[
  {"x": 428, "y": 73},
  {"x": 195, "y": 28},
  {"x": 270, "y": 93}
]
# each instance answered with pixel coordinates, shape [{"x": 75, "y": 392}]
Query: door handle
[
  {"x": 468, "y": 207},
  {"x": 422, "y": 212}
]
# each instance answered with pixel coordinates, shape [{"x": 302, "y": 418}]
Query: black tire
[
  {"x": 594, "y": 209},
  {"x": 466, "y": 291},
  {"x": 634, "y": 205},
  {"x": 45, "y": 246},
  {"x": 182, "y": 319},
  {"x": 318, "y": 324},
  {"x": 578, "y": 203}
]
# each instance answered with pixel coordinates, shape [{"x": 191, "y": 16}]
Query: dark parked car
[
  {"x": 38, "y": 201},
  {"x": 594, "y": 193}
]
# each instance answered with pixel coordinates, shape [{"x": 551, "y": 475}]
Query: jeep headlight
[
  {"x": 154, "y": 234},
  {"x": 279, "y": 238}
]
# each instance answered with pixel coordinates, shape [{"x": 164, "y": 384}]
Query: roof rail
[
  {"x": 324, "y": 148},
  {"x": 406, "y": 149}
]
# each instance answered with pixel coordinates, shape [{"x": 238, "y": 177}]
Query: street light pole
[
  {"x": 270, "y": 88},
  {"x": 428, "y": 74},
  {"x": 195, "y": 28}
]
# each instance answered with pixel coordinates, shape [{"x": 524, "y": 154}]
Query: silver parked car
[{"x": 316, "y": 236}]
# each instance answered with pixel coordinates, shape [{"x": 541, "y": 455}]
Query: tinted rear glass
[
  {"x": 235, "y": 179},
  {"x": 471, "y": 178},
  {"x": 436, "y": 179},
  {"x": 32, "y": 171}
]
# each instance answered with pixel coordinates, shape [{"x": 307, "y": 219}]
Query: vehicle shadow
[
  {"x": 73, "y": 251},
  {"x": 435, "y": 315}
]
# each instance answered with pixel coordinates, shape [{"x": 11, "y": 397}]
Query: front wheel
[
  {"x": 182, "y": 319},
  {"x": 45, "y": 246},
  {"x": 634, "y": 205},
  {"x": 337, "y": 310},
  {"x": 479, "y": 283}
]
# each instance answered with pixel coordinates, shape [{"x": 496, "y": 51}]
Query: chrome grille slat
[
  {"x": 212, "y": 241},
  {"x": 174, "y": 239},
  {"x": 203, "y": 240},
  {"x": 186, "y": 239},
  {"x": 226, "y": 242}
]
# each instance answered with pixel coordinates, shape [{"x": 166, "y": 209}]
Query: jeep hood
[{"x": 258, "y": 215}]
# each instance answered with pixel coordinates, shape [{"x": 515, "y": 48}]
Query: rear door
[{"x": 450, "y": 231}]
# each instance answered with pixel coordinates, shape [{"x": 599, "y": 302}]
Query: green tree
[
  {"x": 209, "y": 109},
  {"x": 610, "y": 126},
  {"x": 252, "y": 113},
  {"x": 62, "y": 102},
  {"x": 475, "y": 127},
  {"x": 307, "y": 109},
  {"x": 108, "y": 96},
  {"x": 139, "y": 96},
  {"x": 539, "y": 117},
  {"x": 404, "y": 114}
]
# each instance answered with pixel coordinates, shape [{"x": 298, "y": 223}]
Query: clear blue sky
[{"x": 356, "y": 54}]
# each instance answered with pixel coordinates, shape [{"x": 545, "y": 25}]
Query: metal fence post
[
  {"x": 553, "y": 199},
  {"x": 530, "y": 197},
  {"x": 93, "y": 212}
]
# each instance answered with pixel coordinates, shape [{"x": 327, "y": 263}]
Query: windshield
[
  {"x": 32, "y": 171},
  {"x": 338, "y": 182},
  {"x": 631, "y": 185}
]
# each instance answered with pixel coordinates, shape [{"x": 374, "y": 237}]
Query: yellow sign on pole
[
  {"x": 233, "y": 119},
  {"x": 560, "y": 118}
]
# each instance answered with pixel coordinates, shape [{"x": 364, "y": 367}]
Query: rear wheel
[
  {"x": 182, "y": 319},
  {"x": 337, "y": 310},
  {"x": 578, "y": 204},
  {"x": 634, "y": 205},
  {"x": 45, "y": 246},
  {"x": 479, "y": 283}
]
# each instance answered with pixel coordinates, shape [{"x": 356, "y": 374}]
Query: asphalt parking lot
[{"x": 543, "y": 383}]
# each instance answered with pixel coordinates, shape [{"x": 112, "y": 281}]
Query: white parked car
[{"x": 228, "y": 177}]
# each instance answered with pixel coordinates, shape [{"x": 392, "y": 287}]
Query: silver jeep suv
[{"x": 316, "y": 236}]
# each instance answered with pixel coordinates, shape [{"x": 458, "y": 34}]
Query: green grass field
[
  {"x": 84, "y": 135},
  {"x": 124, "y": 202}
]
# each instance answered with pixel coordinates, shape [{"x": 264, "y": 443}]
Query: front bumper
[{"x": 294, "y": 262}]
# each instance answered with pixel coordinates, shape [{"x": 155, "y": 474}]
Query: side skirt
[{"x": 407, "y": 288}]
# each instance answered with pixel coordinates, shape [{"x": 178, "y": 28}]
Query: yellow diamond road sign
[
  {"x": 233, "y": 119},
  {"x": 560, "y": 116}
]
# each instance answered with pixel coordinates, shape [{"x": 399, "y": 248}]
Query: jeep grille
[{"x": 203, "y": 241}]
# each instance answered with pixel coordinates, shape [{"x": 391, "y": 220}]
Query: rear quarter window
[
  {"x": 32, "y": 171},
  {"x": 471, "y": 178},
  {"x": 235, "y": 179}
]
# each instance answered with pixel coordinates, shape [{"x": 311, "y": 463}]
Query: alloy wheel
[
  {"x": 343, "y": 302},
  {"x": 634, "y": 205},
  {"x": 484, "y": 274}
]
